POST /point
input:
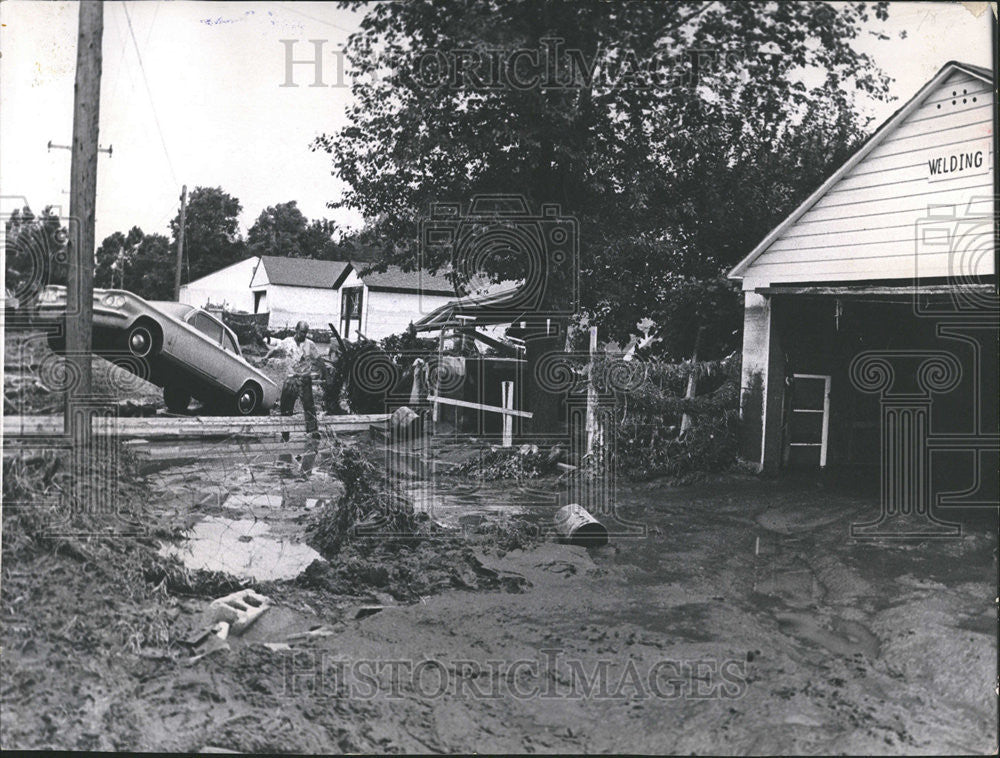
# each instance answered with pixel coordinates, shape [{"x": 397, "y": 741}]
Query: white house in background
[
  {"x": 227, "y": 288},
  {"x": 323, "y": 292},
  {"x": 297, "y": 289},
  {"x": 380, "y": 304}
]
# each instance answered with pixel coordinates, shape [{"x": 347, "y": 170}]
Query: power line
[
  {"x": 149, "y": 93},
  {"x": 289, "y": 8}
]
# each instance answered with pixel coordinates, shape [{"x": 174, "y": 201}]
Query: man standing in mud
[{"x": 301, "y": 356}]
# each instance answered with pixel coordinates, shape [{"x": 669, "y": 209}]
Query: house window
[
  {"x": 350, "y": 311},
  {"x": 260, "y": 301}
]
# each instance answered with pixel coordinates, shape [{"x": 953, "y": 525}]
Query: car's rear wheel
[
  {"x": 176, "y": 399},
  {"x": 248, "y": 400},
  {"x": 142, "y": 340}
]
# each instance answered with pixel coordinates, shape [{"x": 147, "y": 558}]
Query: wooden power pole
[
  {"x": 82, "y": 201},
  {"x": 180, "y": 244}
]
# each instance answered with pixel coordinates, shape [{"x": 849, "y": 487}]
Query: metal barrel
[{"x": 576, "y": 526}]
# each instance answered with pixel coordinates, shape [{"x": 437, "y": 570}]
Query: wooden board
[
  {"x": 181, "y": 427},
  {"x": 479, "y": 406}
]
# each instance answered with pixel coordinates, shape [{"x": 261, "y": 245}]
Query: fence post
[
  {"x": 507, "y": 401},
  {"x": 591, "y": 393}
]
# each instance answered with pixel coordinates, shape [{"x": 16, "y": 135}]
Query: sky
[{"x": 196, "y": 99}]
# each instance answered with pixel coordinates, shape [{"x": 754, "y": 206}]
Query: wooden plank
[
  {"x": 901, "y": 267},
  {"x": 891, "y": 255},
  {"x": 194, "y": 426},
  {"x": 902, "y": 292},
  {"x": 933, "y": 140},
  {"x": 906, "y": 174},
  {"x": 977, "y": 188},
  {"x": 479, "y": 406},
  {"x": 977, "y": 114}
]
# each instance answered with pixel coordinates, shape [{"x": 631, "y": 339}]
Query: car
[{"x": 183, "y": 349}]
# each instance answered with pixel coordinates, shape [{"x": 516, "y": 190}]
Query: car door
[{"x": 204, "y": 353}]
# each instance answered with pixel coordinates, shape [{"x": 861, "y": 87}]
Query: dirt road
[{"x": 744, "y": 622}]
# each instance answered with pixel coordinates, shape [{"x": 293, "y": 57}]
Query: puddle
[{"x": 241, "y": 547}]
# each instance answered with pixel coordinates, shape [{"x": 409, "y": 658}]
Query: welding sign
[{"x": 965, "y": 161}]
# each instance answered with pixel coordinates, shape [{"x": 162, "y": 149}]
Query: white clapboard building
[
  {"x": 342, "y": 293},
  {"x": 228, "y": 288},
  {"x": 870, "y": 327}
]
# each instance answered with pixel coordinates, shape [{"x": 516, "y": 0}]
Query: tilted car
[{"x": 183, "y": 349}]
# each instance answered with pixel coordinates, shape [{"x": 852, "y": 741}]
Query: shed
[
  {"x": 877, "y": 286},
  {"x": 381, "y": 303},
  {"x": 227, "y": 288},
  {"x": 297, "y": 289}
]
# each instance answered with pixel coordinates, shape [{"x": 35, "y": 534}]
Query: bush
[{"x": 649, "y": 408}]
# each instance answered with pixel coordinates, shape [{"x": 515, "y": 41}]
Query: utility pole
[
  {"x": 83, "y": 191},
  {"x": 180, "y": 244}
]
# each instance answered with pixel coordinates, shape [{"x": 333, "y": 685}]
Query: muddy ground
[{"x": 745, "y": 621}]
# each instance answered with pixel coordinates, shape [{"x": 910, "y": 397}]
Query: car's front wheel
[
  {"x": 176, "y": 399},
  {"x": 142, "y": 339},
  {"x": 248, "y": 400}
]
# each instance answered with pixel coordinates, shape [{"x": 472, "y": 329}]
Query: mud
[{"x": 746, "y": 621}]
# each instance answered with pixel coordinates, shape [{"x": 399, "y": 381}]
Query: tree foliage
[
  {"x": 284, "y": 230},
  {"x": 676, "y": 133},
  {"x": 212, "y": 238},
  {"x": 138, "y": 262},
  {"x": 34, "y": 252}
]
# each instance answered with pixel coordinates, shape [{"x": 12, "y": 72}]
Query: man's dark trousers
[{"x": 299, "y": 386}]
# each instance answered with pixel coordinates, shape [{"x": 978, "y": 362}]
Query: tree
[
  {"x": 211, "y": 236},
  {"x": 137, "y": 262},
  {"x": 284, "y": 230},
  {"x": 662, "y": 127},
  {"x": 153, "y": 268},
  {"x": 114, "y": 260},
  {"x": 34, "y": 253}
]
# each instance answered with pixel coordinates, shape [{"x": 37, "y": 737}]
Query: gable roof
[
  {"x": 876, "y": 138},
  {"x": 194, "y": 282},
  {"x": 303, "y": 272},
  {"x": 395, "y": 279}
]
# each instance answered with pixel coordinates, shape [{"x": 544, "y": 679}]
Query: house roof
[
  {"x": 303, "y": 272},
  {"x": 194, "y": 282},
  {"x": 395, "y": 279},
  {"x": 876, "y": 138}
]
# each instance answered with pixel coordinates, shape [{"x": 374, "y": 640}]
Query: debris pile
[
  {"x": 378, "y": 543},
  {"x": 369, "y": 508},
  {"x": 524, "y": 462}
]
